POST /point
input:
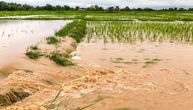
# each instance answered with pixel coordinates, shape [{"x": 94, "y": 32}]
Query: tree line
[{"x": 4, "y": 6}]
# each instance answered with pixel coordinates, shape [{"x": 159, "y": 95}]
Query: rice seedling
[
  {"x": 12, "y": 96},
  {"x": 133, "y": 31},
  {"x": 75, "y": 29}
]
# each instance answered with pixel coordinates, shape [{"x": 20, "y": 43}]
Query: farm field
[
  {"x": 105, "y": 16},
  {"x": 79, "y": 60}
]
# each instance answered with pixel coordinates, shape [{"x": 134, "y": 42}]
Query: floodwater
[
  {"x": 17, "y": 35},
  {"x": 158, "y": 76},
  {"x": 21, "y": 17},
  {"x": 106, "y": 76}
]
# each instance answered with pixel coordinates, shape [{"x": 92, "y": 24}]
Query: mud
[{"x": 144, "y": 76}]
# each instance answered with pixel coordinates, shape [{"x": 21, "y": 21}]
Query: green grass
[
  {"x": 24, "y": 13},
  {"x": 52, "y": 40},
  {"x": 33, "y": 54},
  {"x": 63, "y": 60},
  {"x": 75, "y": 29},
  {"x": 106, "y": 16}
]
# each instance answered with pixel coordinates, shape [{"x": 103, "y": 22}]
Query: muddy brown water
[
  {"x": 17, "y": 35},
  {"x": 161, "y": 74},
  {"x": 107, "y": 76}
]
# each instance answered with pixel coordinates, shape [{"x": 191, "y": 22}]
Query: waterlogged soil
[{"x": 110, "y": 76}]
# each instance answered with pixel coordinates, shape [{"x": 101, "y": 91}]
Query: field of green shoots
[
  {"x": 105, "y": 16},
  {"x": 139, "y": 31}
]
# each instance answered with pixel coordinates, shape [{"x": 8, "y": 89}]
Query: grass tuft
[
  {"x": 52, "y": 40},
  {"x": 75, "y": 29},
  {"x": 63, "y": 60},
  {"x": 33, "y": 54}
]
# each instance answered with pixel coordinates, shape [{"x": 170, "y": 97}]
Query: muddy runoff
[{"x": 121, "y": 83}]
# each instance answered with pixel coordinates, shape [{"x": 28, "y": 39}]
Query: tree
[
  {"x": 58, "y": 8},
  {"x": 117, "y": 8},
  {"x": 127, "y": 8},
  {"x": 77, "y": 8},
  {"x": 110, "y": 9},
  {"x": 182, "y": 9},
  {"x": 95, "y": 8},
  {"x": 48, "y": 7},
  {"x": 66, "y": 7}
]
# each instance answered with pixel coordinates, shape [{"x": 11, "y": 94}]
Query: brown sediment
[{"x": 97, "y": 82}]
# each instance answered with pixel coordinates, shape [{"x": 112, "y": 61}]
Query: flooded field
[
  {"x": 128, "y": 65},
  {"x": 17, "y": 35}
]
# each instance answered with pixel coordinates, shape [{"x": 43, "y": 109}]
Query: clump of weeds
[
  {"x": 52, "y": 40},
  {"x": 61, "y": 59},
  {"x": 33, "y": 54}
]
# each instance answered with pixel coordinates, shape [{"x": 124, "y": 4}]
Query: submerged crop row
[
  {"x": 76, "y": 30},
  {"x": 132, "y": 31}
]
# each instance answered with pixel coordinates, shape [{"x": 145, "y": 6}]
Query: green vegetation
[
  {"x": 103, "y": 15},
  {"x": 75, "y": 29},
  {"x": 149, "y": 61},
  {"x": 52, "y": 40},
  {"x": 133, "y": 31},
  {"x": 63, "y": 60},
  {"x": 33, "y": 54},
  {"x": 12, "y": 96},
  {"x": 4, "y": 6}
]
